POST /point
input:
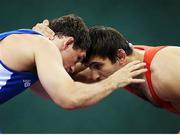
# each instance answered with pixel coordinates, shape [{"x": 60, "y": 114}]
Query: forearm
[
  {"x": 84, "y": 76},
  {"x": 89, "y": 94}
]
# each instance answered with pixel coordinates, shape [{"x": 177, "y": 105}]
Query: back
[
  {"x": 165, "y": 67},
  {"x": 16, "y": 63}
]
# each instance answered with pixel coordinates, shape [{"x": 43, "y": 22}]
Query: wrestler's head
[
  {"x": 108, "y": 52},
  {"x": 72, "y": 39}
]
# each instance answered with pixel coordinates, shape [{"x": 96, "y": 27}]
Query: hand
[
  {"x": 124, "y": 76},
  {"x": 44, "y": 29}
]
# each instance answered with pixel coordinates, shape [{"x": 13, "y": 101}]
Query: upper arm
[{"x": 52, "y": 75}]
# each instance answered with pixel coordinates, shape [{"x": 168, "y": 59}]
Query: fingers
[
  {"x": 137, "y": 80},
  {"x": 138, "y": 72},
  {"x": 36, "y": 27},
  {"x": 51, "y": 32},
  {"x": 44, "y": 29},
  {"x": 133, "y": 63},
  {"x": 48, "y": 32},
  {"x": 46, "y": 22},
  {"x": 137, "y": 66}
]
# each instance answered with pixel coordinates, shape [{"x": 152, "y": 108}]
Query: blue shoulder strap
[{"x": 20, "y": 31}]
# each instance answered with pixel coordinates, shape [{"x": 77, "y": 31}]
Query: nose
[
  {"x": 95, "y": 76},
  {"x": 72, "y": 69}
]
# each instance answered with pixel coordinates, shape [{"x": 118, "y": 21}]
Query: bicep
[{"x": 52, "y": 75}]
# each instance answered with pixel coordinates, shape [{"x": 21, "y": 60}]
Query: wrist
[{"x": 110, "y": 83}]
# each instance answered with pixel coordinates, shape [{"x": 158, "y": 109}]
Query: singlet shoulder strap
[{"x": 20, "y": 31}]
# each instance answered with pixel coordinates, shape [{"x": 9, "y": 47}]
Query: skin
[
  {"x": 165, "y": 77},
  {"x": 165, "y": 80},
  {"x": 52, "y": 59}
]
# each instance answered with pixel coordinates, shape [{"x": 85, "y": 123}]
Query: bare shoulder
[
  {"x": 169, "y": 51},
  {"x": 166, "y": 58},
  {"x": 17, "y": 51},
  {"x": 45, "y": 47},
  {"x": 34, "y": 43}
]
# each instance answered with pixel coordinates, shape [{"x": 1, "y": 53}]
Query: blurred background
[{"x": 149, "y": 22}]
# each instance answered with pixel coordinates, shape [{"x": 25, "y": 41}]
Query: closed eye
[{"x": 95, "y": 65}]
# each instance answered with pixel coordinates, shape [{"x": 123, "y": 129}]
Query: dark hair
[
  {"x": 105, "y": 42},
  {"x": 72, "y": 25}
]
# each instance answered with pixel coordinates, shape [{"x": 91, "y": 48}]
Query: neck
[
  {"x": 137, "y": 88},
  {"x": 58, "y": 42},
  {"x": 136, "y": 55}
]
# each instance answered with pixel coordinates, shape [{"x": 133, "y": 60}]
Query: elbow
[
  {"x": 70, "y": 99},
  {"x": 69, "y": 106},
  {"x": 71, "y": 103}
]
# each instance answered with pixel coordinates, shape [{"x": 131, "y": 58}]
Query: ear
[
  {"x": 68, "y": 41},
  {"x": 121, "y": 54}
]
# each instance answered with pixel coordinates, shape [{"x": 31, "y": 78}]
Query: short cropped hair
[
  {"x": 105, "y": 42},
  {"x": 72, "y": 25}
]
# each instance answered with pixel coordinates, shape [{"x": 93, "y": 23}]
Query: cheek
[
  {"x": 72, "y": 57},
  {"x": 69, "y": 60},
  {"x": 108, "y": 70}
]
